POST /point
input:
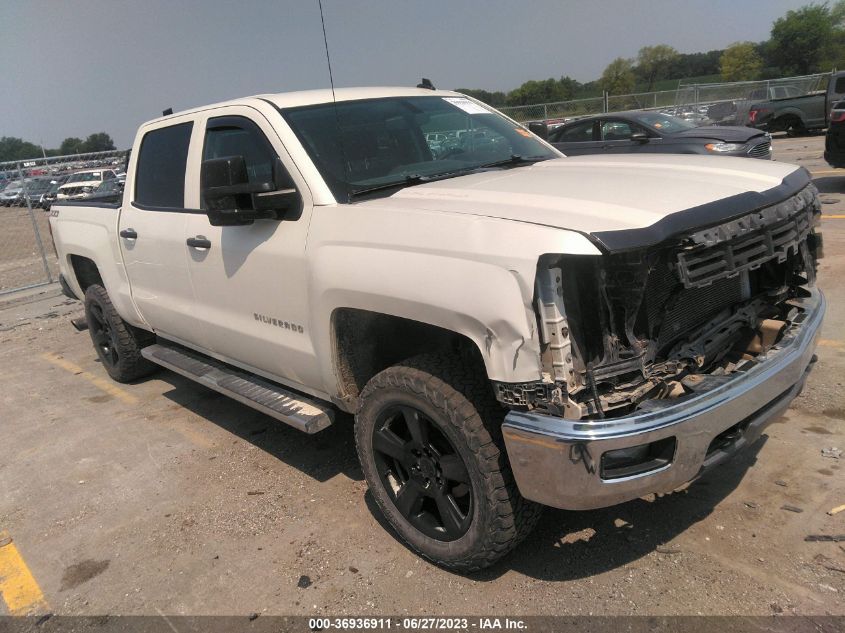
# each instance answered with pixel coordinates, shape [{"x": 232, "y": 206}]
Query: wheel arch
[
  {"x": 365, "y": 342},
  {"x": 85, "y": 273}
]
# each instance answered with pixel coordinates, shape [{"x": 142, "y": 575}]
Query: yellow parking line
[
  {"x": 840, "y": 172},
  {"x": 20, "y": 592},
  {"x": 833, "y": 217},
  {"x": 98, "y": 382}
]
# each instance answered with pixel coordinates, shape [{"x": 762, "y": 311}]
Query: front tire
[
  {"x": 118, "y": 344},
  {"x": 428, "y": 434}
]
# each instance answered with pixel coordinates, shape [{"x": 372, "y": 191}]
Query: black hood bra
[{"x": 700, "y": 217}]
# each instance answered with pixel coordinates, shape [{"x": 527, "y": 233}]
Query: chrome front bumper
[{"x": 558, "y": 462}]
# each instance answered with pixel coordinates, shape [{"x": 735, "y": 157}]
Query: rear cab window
[{"x": 160, "y": 170}]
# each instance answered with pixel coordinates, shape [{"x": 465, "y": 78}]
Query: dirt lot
[
  {"x": 20, "y": 259},
  {"x": 164, "y": 497}
]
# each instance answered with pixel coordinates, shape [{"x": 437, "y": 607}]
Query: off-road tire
[
  {"x": 126, "y": 340},
  {"x": 455, "y": 395}
]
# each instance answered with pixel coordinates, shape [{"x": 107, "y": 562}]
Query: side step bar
[{"x": 288, "y": 407}]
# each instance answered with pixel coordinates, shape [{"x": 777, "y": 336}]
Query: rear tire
[
  {"x": 428, "y": 434},
  {"x": 117, "y": 343},
  {"x": 793, "y": 126}
]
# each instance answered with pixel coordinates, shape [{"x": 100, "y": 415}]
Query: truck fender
[
  {"x": 96, "y": 242},
  {"x": 481, "y": 301}
]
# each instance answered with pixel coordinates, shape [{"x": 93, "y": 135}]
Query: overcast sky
[{"x": 71, "y": 68}]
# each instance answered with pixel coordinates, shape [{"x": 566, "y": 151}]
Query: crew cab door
[
  {"x": 152, "y": 230},
  {"x": 251, "y": 281}
]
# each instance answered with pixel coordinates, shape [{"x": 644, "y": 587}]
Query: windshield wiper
[
  {"x": 515, "y": 159},
  {"x": 416, "y": 179},
  {"x": 411, "y": 179}
]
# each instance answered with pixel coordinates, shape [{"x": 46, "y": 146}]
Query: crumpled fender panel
[{"x": 467, "y": 274}]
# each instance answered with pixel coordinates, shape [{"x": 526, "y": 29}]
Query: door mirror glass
[{"x": 231, "y": 199}]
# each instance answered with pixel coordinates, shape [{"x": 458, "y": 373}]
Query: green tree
[
  {"x": 740, "y": 62},
  {"x": 71, "y": 145},
  {"x": 687, "y": 65},
  {"x": 99, "y": 142},
  {"x": 12, "y": 148},
  {"x": 802, "y": 38},
  {"x": 494, "y": 99},
  {"x": 655, "y": 62},
  {"x": 835, "y": 57},
  {"x": 618, "y": 78},
  {"x": 542, "y": 91}
]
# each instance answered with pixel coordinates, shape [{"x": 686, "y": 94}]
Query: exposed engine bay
[{"x": 631, "y": 330}]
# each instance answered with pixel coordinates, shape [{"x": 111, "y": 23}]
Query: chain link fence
[
  {"x": 730, "y": 103},
  {"x": 705, "y": 104},
  {"x": 28, "y": 188}
]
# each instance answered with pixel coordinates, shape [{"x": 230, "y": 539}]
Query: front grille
[
  {"x": 760, "y": 150},
  {"x": 703, "y": 265}
]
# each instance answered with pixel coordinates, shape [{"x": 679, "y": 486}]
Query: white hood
[{"x": 596, "y": 193}]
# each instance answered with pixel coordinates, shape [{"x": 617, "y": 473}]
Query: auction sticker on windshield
[{"x": 466, "y": 105}]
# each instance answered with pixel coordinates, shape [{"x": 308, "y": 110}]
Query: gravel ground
[
  {"x": 164, "y": 497},
  {"x": 20, "y": 259}
]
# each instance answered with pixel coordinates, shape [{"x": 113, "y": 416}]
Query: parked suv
[{"x": 834, "y": 142}]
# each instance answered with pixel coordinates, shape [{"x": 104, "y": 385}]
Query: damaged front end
[{"x": 630, "y": 330}]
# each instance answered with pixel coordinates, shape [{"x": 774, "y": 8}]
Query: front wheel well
[
  {"x": 86, "y": 272},
  {"x": 365, "y": 343}
]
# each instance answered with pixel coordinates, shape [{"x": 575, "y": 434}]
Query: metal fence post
[{"x": 35, "y": 226}]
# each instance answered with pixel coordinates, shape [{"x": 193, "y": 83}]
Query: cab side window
[
  {"x": 616, "y": 130},
  {"x": 160, "y": 172},
  {"x": 578, "y": 133},
  {"x": 238, "y": 136}
]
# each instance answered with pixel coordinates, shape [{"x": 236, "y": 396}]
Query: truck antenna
[{"x": 334, "y": 100}]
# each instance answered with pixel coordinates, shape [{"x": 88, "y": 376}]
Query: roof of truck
[{"x": 314, "y": 97}]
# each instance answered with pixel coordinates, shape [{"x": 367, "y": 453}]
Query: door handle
[
  {"x": 129, "y": 234},
  {"x": 198, "y": 242}
]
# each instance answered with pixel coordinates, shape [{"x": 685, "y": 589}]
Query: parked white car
[{"x": 84, "y": 182}]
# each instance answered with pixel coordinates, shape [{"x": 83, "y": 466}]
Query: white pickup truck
[{"x": 511, "y": 328}]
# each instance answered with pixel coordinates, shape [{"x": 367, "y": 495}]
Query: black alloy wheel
[
  {"x": 118, "y": 344},
  {"x": 103, "y": 336},
  {"x": 423, "y": 473}
]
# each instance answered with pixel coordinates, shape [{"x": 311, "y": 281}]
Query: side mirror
[
  {"x": 231, "y": 200},
  {"x": 540, "y": 129},
  {"x": 639, "y": 137}
]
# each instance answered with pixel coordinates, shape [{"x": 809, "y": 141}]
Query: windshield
[
  {"x": 664, "y": 123},
  {"x": 86, "y": 176},
  {"x": 400, "y": 140}
]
